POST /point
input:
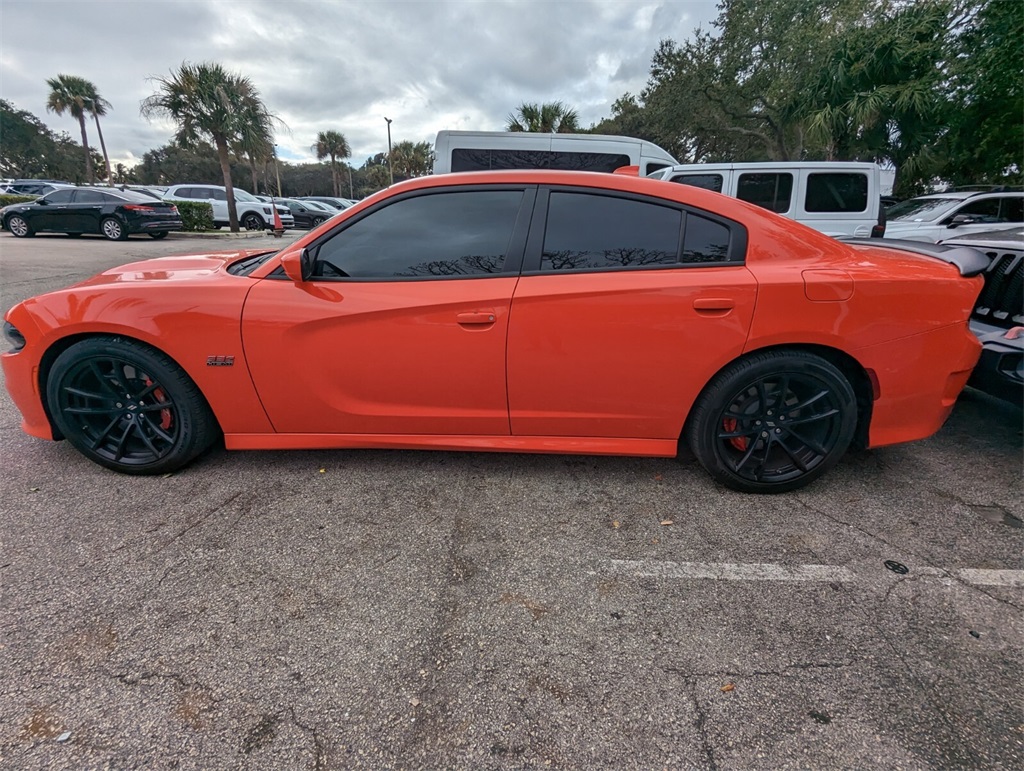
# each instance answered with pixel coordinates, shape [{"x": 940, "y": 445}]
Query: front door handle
[
  {"x": 476, "y": 317},
  {"x": 714, "y": 304}
]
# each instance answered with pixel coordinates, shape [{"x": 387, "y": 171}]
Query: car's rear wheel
[
  {"x": 19, "y": 226},
  {"x": 158, "y": 236},
  {"x": 317, "y": 221},
  {"x": 112, "y": 229},
  {"x": 252, "y": 221},
  {"x": 774, "y": 421},
  {"x": 128, "y": 407}
]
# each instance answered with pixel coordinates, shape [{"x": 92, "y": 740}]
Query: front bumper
[{"x": 1000, "y": 370}]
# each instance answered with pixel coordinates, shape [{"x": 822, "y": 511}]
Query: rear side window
[
  {"x": 705, "y": 240},
  {"x": 433, "y": 235},
  {"x": 770, "y": 191},
  {"x": 1013, "y": 209},
  {"x": 707, "y": 181},
  {"x": 464, "y": 159},
  {"x": 832, "y": 192},
  {"x": 588, "y": 232}
]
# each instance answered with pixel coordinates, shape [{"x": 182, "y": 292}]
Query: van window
[
  {"x": 771, "y": 191},
  {"x": 588, "y": 232},
  {"x": 833, "y": 192},
  {"x": 706, "y": 181},
  {"x": 653, "y": 167},
  {"x": 465, "y": 159}
]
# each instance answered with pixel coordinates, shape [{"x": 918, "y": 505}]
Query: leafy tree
[
  {"x": 173, "y": 164},
  {"x": 30, "y": 149},
  {"x": 333, "y": 145},
  {"x": 207, "y": 102},
  {"x": 547, "y": 118},
  {"x": 411, "y": 160},
  {"x": 72, "y": 94}
]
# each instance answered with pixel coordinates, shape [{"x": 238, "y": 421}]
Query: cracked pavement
[{"x": 426, "y": 610}]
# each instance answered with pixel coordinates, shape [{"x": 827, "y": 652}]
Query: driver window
[
  {"x": 986, "y": 210},
  {"x": 432, "y": 235}
]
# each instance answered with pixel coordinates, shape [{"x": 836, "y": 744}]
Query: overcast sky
[{"x": 328, "y": 64}]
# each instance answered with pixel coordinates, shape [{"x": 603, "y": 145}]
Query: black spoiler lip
[{"x": 968, "y": 260}]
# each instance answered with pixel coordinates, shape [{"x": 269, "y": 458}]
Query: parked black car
[
  {"x": 998, "y": 317},
  {"x": 334, "y": 203},
  {"x": 113, "y": 214},
  {"x": 306, "y": 212}
]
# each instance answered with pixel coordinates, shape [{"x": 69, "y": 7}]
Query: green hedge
[
  {"x": 195, "y": 215},
  {"x": 7, "y": 200}
]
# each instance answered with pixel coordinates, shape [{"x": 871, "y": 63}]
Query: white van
[
  {"x": 837, "y": 198},
  {"x": 492, "y": 150}
]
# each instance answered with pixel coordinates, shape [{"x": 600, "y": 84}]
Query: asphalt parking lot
[{"x": 364, "y": 609}]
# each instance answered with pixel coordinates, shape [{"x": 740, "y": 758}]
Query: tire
[
  {"x": 158, "y": 236},
  {"x": 112, "y": 229},
  {"x": 19, "y": 226},
  {"x": 128, "y": 407},
  {"x": 253, "y": 221},
  {"x": 317, "y": 222},
  {"x": 745, "y": 441}
]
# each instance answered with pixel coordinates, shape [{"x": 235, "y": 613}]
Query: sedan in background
[
  {"x": 308, "y": 214},
  {"x": 114, "y": 214},
  {"x": 517, "y": 311},
  {"x": 340, "y": 204}
]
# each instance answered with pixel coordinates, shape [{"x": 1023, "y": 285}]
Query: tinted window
[
  {"x": 440, "y": 234},
  {"x": 771, "y": 191},
  {"x": 706, "y": 181},
  {"x": 90, "y": 196},
  {"x": 653, "y": 167},
  {"x": 485, "y": 160},
  {"x": 216, "y": 195},
  {"x": 836, "y": 192},
  {"x": 985, "y": 210},
  {"x": 1013, "y": 209},
  {"x": 705, "y": 240},
  {"x": 183, "y": 192},
  {"x": 59, "y": 196},
  {"x": 585, "y": 232}
]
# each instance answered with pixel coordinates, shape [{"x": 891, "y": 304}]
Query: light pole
[
  {"x": 277, "y": 172},
  {"x": 391, "y": 171}
]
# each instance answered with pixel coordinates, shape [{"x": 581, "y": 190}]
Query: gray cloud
[{"x": 442, "y": 64}]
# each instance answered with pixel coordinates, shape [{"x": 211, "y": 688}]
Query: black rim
[
  {"x": 779, "y": 427},
  {"x": 119, "y": 410}
]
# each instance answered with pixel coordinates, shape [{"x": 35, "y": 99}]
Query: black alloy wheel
[
  {"x": 128, "y": 407},
  {"x": 19, "y": 226},
  {"x": 773, "y": 422},
  {"x": 317, "y": 221},
  {"x": 252, "y": 221},
  {"x": 112, "y": 229}
]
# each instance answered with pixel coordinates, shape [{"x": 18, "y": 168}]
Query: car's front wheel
[
  {"x": 128, "y": 407},
  {"x": 112, "y": 229},
  {"x": 19, "y": 226},
  {"x": 252, "y": 221},
  {"x": 317, "y": 222},
  {"x": 773, "y": 421}
]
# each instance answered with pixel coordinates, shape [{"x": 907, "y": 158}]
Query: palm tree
[
  {"x": 333, "y": 145},
  {"x": 411, "y": 160},
  {"x": 255, "y": 141},
  {"x": 547, "y": 118},
  {"x": 97, "y": 105},
  {"x": 208, "y": 102},
  {"x": 72, "y": 94}
]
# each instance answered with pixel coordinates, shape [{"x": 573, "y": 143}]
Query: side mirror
[
  {"x": 960, "y": 219},
  {"x": 298, "y": 266},
  {"x": 42, "y": 202}
]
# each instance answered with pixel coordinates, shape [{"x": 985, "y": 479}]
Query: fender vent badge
[{"x": 220, "y": 361}]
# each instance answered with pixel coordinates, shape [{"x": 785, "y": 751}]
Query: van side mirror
[{"x": 298, "y": 266}]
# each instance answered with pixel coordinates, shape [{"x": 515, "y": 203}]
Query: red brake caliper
[
  {"x": 165, "y": 414},
  {"x": 739, "y": 442}
]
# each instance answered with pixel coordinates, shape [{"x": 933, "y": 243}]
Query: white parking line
[
  {"x": 731, "y": 571},
  {"x": 740, "y": 571}
]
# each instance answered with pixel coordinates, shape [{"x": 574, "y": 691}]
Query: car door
[
  {"x": 402, "y": 327},
  {"x": 86, "y": 211},
  {"x": 626, "y": 307},
  {"x": 52, "y": 213}
]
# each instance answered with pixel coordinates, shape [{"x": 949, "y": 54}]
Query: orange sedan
[{"x": 523, "y": 311}]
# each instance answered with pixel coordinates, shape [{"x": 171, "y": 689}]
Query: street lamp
[
  {"x": 391, "y": 171},
  {"x": 277, "y": 172}
]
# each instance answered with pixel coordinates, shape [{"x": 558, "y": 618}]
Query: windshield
[
  {"x": 920, "y": 209},
  {"x": 241, "y": 195}
]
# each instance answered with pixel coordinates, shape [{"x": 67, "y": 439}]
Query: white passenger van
[
  {"x": 837, "y": 198},
  {"x": 492, "y": 150}
]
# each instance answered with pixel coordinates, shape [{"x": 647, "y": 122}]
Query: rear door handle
[
  {"x": 476, "y": 317},
  {"x": 714, "y": 304}
]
